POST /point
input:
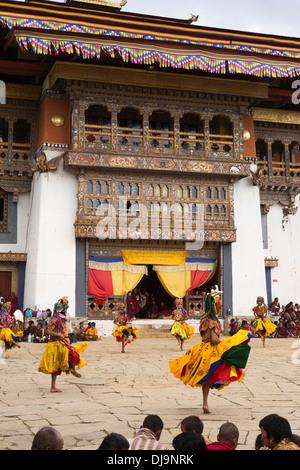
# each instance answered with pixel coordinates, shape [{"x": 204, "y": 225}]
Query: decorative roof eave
[
  {"x": 51, "y": 28},
  {"x": 212, "y": 60},
  {"x": 41, "y": 14}
]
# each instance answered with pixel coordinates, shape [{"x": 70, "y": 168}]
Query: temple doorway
[{"x": 154, "y": 300}]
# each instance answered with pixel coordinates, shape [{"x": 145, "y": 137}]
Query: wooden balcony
[
  {"x": 279, "y": 173},
  {"x": 157, "y": 142}
]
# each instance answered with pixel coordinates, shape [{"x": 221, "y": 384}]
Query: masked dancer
[
  {"x": 213, "y": 363},
  {"x": 59, "y": 356},
  {"x": 124, "y": 332},
  {"x": 262, "y": 325},
  {"x": 180, "y": 329}
]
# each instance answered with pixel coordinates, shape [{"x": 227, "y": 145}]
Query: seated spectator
[
  {"x": 114, "y": 441},
  {"x": 276, "y": 433},
  {"x": 189, "y": 441},
  {"x": 47, "y": 438},
  {"x": 281, "y": 330},
  {"x": 227, "y": 438},
  {"x": 91, "y": 333},
  {"x": 29, "y": 331},
  {"x": 153, "y": 309},
  {"x": 80, "y": 333},
  {"x": 147, "y": 438},
  {"x": 292, "y": 330},
  {"x": 245, "y": 326},
  {"x": 275, "y": 306},
  {"x": 193, "y": 424},
  {"x": 234, "y": 329},
  {"x": 40, "y": 334}
]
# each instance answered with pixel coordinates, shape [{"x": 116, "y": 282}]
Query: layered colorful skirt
[
  {"x": 7, "y": 335},
  {"x": 219, "y": 365},
  {"x": 182, "y": 330},
  {"x": 125, "y": 334},
  {"x": 265, "y": 326},
  {"x": 59, "y": 356}
]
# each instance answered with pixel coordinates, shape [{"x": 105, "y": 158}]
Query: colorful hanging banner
[
  {"x": 112, "y": 277},
  {"x": 147, "y": 257}
]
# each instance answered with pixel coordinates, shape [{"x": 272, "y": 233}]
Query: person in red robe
[
  {"x": 13, "y": 302},
  {"x": 130, "y": 306}
]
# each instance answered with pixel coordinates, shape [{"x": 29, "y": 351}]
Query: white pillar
[
  {"x": 283, "y": 244},
  {"x": 248, "y": 270},
  {"x": 51, "y": 244}
]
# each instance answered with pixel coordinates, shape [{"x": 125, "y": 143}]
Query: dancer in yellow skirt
[
  {"x": 59, "y": 356},
  {"x": 180, "y": 329},
  {"x": 9, "y": 331},
  {"x": 213, "y": 363},
  {"x": 124, "y": 333},
  {"x": 263, "y": 326}
]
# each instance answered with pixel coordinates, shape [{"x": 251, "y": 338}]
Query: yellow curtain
[
  {"x": 125, "y": 281},
  {"x": 175, "y": 283},
  {"x": 154, "y": 257}
]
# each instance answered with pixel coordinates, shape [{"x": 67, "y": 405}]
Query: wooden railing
[
  {"x": 279, "y": 169},
  {"x": 158, "y": 140}
]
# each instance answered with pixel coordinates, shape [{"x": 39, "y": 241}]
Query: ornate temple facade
[{"x": 131, "y": 143}]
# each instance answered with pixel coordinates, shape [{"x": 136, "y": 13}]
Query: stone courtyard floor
[{"x": 116, "y": 391}]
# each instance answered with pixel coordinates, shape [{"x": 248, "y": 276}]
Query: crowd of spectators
[
  {"x": 285, "y": 317},
  {"x": 31, "y": 325},
  {"x": 275, "y": 434}
]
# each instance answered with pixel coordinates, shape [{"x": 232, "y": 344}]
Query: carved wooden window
[
  {"x": 21, "y": 139},
  {"x": 262, "y": 150},
  {"x": 179, "y": 192},
  {"x": 161, "y": 130},
  {"x": 105, "y": 187},
  {"x": 222, "y": 193},
  {"x": 130, "y": 127},
  {"x": 136, "y": 190},
  {"x": 3, "y": 213},
  {"x": 278, "y": 151},
  {"x": 3, "y": 137},
  {"x": 97, "y": 128},
  {"x": 194, "y": 192},
  {"x": 128, "y": 189},
  {"x": 150, "y": 190},
  {"x": 191, "y": 132},
  {"x": 223, "y": 211},
  {"x": 90, "y": 187},
  {"x": 208, "y": 211}
]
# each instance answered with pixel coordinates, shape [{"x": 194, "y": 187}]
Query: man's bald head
[
  {"x": 229, "y": 433},
  {"x": 47, "y": 438}
]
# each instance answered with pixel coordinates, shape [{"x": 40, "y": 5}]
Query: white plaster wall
[
  {"x": 248, "y": 269},
  {"x": 51, "y": 243},
  {"x": 23, "y": 212},
  {"x": 284, "y": 244}
]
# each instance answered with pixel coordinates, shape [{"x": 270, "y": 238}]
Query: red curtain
[
  {"x": 198, "y": 278},
  {"x": 100, "y": 285}
]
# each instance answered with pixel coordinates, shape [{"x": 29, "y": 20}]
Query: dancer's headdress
[
  {"x": 61, "y": 307},
  {"x": 211, "y": 310}
]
